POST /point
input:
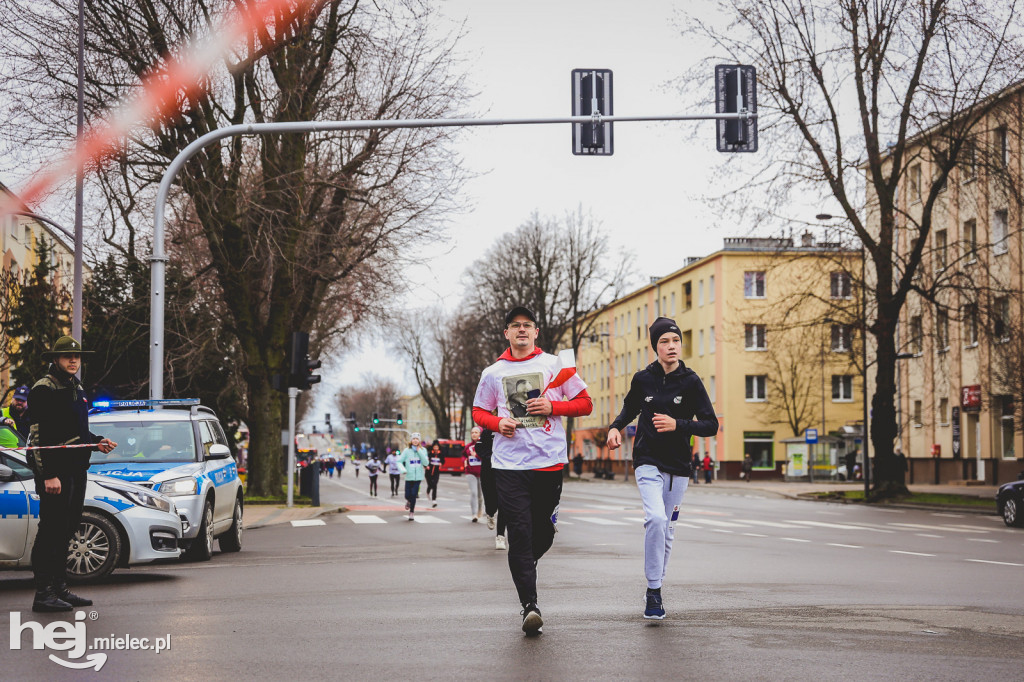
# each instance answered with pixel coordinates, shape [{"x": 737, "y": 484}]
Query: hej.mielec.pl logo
[{"x": 72, "y": 638}]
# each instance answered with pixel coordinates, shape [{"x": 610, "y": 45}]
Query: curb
[
  {"x": 274, "y": 519},
  {"x": 978, "y": 511}
]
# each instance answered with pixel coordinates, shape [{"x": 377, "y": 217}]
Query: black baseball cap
[{"x": 519, "y": 310}]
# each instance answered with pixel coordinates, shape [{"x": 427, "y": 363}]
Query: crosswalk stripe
[
  {"x": 721, "y": 524},
  {"x": 366, "y": 518},
  {"x": 770, "y": 524},
  {"x": 429, "y": 519},
  {"x": 309, "y": 522},
  {"x": 602, "y": 522},
  {"x": 837, "y": 526}
]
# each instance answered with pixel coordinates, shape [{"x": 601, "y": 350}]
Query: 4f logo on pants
[{"x": 675, "y": 513}]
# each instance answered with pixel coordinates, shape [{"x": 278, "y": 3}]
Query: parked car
[
  {"x": 178, "y": 448},
  {"x": 122, "y": 524},
  {"x": 1010, "y": 502}
]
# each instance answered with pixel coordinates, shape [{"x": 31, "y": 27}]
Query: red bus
[{"x": 451, "y": 451}]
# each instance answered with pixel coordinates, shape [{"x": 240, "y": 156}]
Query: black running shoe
[
  {"x": 532, "y": 621},
  {"x": 62, "y": 592},
  {"x": 655, "y": 608}
]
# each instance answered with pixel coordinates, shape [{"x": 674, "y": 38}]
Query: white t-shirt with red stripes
[{"x": 538, "y": 441}]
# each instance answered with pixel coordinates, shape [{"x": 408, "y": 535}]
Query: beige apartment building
[
  {"x": 959, "y": 391},
  {"x": 760, "y": 328},
  {"x": 19, "y": 238}
]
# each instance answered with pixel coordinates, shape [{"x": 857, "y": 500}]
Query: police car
[
  {"x": 178, "y": 448},
  {"x": 122, "y": 524}
]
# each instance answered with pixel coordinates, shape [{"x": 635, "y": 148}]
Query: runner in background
[
  {"x": 484, "y": 449},
  {"x": 434, "y": 472},
  {"x": 372, "y": 469},
  {"x": 471, "y": 464}
]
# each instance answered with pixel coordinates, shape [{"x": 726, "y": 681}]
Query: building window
[
  {"x": 639, "y": 360},
  {"x": 687, "y": 349},
  {"x": 1000, "y": 232},
  {"x": 1001, "y": 321},
  {"x": 942, "y": 329},
  {"x": 943, "y": 411},
  {"x": 639, "y": 326},
  {"x": 971, "y": 240},
  {"x": 915, "y": 184},
  {"x": 759, "y": 445},
  {"x": 711, "y": 339},
  {"x": 711, "y": 289},
  {"x": 941, "y": 256},
  {"x": 756, "y": 388},
  {"x": 916, "y": 334},
  {"x": 842, "y": 388},
  {"x": 711, "y": 389},
  {"x": 842, "y": 338},
  {"x": 700, "y": 343},
  {"x": 969, "y": 162},
  {"x": 753, "y": 285},
  {"x": 1003, "y": 147},
  {"x": 917, "y": 413},
  {"x": 841, "y": 285},
  {"x": 1005, "y": 445},
  {"x": 970, "y": 325},
  {"x": 672, "y": 299},
  {"x": 700, "y": 293},
  {"x": 755, "y": 337},
  {"x": 687, "y": 296}
]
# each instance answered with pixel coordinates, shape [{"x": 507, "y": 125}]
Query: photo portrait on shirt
[{"x": 516, "y": 388}]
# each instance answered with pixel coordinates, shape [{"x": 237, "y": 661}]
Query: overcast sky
[{"x": 647, "y": 195}]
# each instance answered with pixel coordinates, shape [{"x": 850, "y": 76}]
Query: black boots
[
  {"x": 48, "y": 602},
  {"x": 56, "y": 597},
  {"x": 61, "y": 590}
]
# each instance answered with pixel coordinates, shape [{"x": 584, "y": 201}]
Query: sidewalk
[{"x": 260, "y": 515}]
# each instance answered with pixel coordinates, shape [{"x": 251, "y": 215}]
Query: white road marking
[
  {"x": 838, "y": 526},
  {"x": 948, "y": 516},
  {"x": 754, "y": 535},
  {"x": 602, "y": 522},
  {"x": 366, "y": 518},
  {"x": 309, "y": 522},
  {"x": 927, "y": 535},
  {"x": 429, "y": 519},
  {"x": 896, "y": 551},
  {"x": 795, "y": 539},
  {"x": 639, "y": 519},
  {"x": 720, "y": 530},
  {"x": 986, "y": 530},
  {"x": 839, "y": 544},
  {"x": 687, "y": 525},
  {"x": 721, "y": 524},
  {"x": 982, "y": 540},
  {"x": 611, "y": 507},
  {"x": 996, "y": 563},
  {"x": 949, "y": 529},
  {"x": 770, "y": 524}
]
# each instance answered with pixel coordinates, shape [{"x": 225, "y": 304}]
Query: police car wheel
[
  {"x": 94, "y": 550},
  {"x": 231, "y": 541},
  {"x": 202, "y": 547}
]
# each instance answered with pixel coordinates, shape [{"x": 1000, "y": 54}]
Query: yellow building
[
  {"x": 19, "y": 238},
  {"x": 960, "y": 381},
  {"x": 762, "y": 325}
]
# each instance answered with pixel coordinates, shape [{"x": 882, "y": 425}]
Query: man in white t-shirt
[{"x": 529, "y": 450}]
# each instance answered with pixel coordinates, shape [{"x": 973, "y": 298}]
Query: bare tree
[
  {"x": 423, "y": 337},
  {"x": 373, "y": 394},
  {"x": 289, "y": 221},
  {"x": 853, "y": 96}
]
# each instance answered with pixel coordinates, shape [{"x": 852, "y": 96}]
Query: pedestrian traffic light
[
  {"x": 592, "y": 96},
  {"x": 736, "y": 92},
  {"x": 399, "y": 420},
  {"x": 376, "y": 420}
]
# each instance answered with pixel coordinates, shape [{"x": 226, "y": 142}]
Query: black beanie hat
[{"x": 662, "y": 325}]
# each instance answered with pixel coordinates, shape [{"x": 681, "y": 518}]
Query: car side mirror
[
  {"x": 219, "y": 451},
  {"x": 6, "y": 473}
]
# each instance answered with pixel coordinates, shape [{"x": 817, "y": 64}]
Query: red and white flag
[{"x": 567, "y": 369}]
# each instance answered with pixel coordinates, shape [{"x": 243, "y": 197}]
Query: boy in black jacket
[{"x": 673, "y": 407}]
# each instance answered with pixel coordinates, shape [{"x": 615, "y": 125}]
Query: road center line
[
  {"x": 839, "y": 544},
  {"x": 897, "y": 551},
  {"x": 996, "y": 563}
]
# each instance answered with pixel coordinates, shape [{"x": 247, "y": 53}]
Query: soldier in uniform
[{"x": 60, "y": 414}]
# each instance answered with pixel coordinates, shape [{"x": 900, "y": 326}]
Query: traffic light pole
[
  {"x": 158, "y": 261},
  {"x": 293, "y": 394}
]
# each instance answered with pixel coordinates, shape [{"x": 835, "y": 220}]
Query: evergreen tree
[{"x": 39, "y": 317}]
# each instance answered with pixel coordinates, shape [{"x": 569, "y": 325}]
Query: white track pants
[
  {"x": 661, "y": 494},
  {"x": 476, "y": 494}
]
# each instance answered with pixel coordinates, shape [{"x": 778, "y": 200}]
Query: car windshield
[{"x": 146, "y": 442}]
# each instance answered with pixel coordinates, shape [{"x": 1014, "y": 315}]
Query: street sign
[
  {"x": 592, "y": 94},
  {"x": 735, "y": 92},
  {"x": 811, "y": 436}
]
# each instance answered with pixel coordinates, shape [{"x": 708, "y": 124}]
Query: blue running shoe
[
  {"x": 554, "y": 518},
  {"x": 655, "y": 609}
]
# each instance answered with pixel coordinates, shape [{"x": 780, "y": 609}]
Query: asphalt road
[{"x": 759, "y": 588}]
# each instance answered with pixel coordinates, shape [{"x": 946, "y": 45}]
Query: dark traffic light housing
[
  {"x": 399, "y": 420},
  {"x": 302, "y": 366}
]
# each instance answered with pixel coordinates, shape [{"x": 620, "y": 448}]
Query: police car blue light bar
[{"x": 165, "y": 402}]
